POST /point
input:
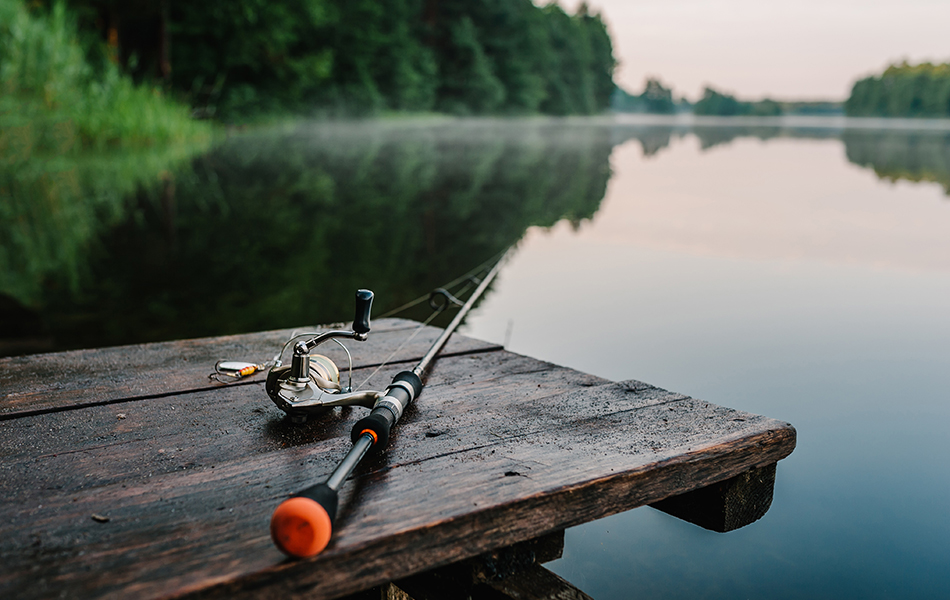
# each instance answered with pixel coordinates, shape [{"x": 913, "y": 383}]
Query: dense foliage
[
  {"x": 53, "y": 100},
  {"x": 903, "y": 91},
  {"x": 240, "y": 57},
  {"x": 720, "y": 104}
]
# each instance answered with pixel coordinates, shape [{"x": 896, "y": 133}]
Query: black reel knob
[{"x": 364, "y": 304}]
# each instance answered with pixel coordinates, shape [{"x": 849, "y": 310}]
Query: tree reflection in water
[{"x": 276, "y": 228}]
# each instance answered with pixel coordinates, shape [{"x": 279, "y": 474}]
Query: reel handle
[{"x": 364, "y": 304}]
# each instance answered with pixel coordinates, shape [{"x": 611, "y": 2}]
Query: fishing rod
[{"x": 302, "y": 525}]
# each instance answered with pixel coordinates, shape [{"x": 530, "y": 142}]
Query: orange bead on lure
[{"x": 235, "y": 370}]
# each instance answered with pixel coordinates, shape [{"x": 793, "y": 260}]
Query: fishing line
[
  {"x": 229, "y": 372},
  {"x": 415, "y": 332},
  {"x": 494, "y": 259},
  {"x": 450, "y": 301}
]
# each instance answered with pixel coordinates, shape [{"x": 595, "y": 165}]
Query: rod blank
[{"x": 302, "y": 525}]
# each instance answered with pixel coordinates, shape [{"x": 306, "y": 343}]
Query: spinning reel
[{"x": 311, "y": 384}]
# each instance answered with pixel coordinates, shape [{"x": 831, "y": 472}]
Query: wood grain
[
  {"x": 42, "y": 383},
  {"x": 498, "y": 449},
  {"x": 69, "y": 451}
]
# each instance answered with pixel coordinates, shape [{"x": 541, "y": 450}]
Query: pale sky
[{"x": 787, "y": 50}]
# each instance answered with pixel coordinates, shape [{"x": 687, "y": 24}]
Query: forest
[
  {"x": 235, "y": 59},
  {"x": 903, "y": 90}
]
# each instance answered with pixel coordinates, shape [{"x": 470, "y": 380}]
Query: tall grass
[
  {"x": 75, "y": 144},
  {"x": 51, "y": 100}
]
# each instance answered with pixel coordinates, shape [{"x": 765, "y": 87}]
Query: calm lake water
[{"x": 797, "y": 269}]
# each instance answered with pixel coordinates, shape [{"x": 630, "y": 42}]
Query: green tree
[
  {"x": 765, "y": 108},
  {"x": 657, "y": 98},
  {"x": 468, "y": 81},
  {"x": 260, "y": 55},
  {"x": 903, "y": 90},
  {"x": 602, "y": 63},
  {"x": 570, "y": 84},
  {"x": 717, "y": 103},
  {"x": 381, "y": 59},
  {"x": 725, "y": 105},
  {"x": 512, "y": 37}
]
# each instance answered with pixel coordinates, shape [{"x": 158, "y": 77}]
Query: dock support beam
[
  {"x": 727, "y": 505},
  {"x": 511, "y": 573}
]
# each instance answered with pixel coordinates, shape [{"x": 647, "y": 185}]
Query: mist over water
[{"x": 797, "y": 271}]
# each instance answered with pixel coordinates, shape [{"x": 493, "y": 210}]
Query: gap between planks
[{"x": 82, "y": 405}]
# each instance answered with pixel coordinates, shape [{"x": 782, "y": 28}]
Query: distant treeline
[
  {"x": 241, "y": 57},
  {"x": 718, "y": 103},
  {"x": 903, "y": 91},
  {"x": 658, "y": 99}
]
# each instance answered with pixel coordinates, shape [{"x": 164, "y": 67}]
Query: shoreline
[
  {"x": 831, "y": 122},
  {"x": 682, "y": 120}
]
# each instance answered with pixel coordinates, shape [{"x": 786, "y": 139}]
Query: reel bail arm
[{"x": 311, "y": 384}]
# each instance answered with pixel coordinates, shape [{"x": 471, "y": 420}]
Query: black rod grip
[
  {"x": 364, "y": 304},
  {"x": 380, "y": 421},
  {"x": 412, "y": 379},
  {"x": 323, "y": 495}
]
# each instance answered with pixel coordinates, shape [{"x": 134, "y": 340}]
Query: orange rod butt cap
[{"x": 300, "y": 527}]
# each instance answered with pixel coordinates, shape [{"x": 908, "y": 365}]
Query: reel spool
[{"x": 325, "y": 373}]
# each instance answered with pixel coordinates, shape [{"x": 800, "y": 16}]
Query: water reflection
[
  {"x": 265, "y": 230},
  {"x": 894, "y": 154},
  {"x": 911, "y": 156},
  {"x": 774, "y": 277},
  {"x": 54, "y": 211}
]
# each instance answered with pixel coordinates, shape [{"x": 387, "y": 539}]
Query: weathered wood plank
[
  {"x": 45, "y": 382},
  {"x": 68, "y": 451},
  {"x": 503, "y": 462}
]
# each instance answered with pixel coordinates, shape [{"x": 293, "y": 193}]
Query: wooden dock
[{"x": 126, "y": 473}]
